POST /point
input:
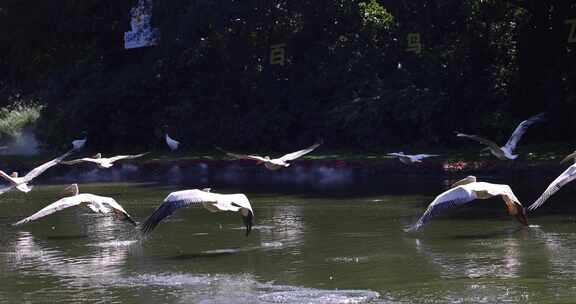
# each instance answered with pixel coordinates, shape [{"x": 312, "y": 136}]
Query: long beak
[
  {"x": 569, "y": 157},
  {"x": 130, "y": 220},
  {"x": 248, "y": 221},
  {"x": 521, "y": 216}
]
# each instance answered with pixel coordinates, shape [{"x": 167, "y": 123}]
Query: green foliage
[
  {"x": 374, "y": 14},
  {"x": 16, "y": 116}
]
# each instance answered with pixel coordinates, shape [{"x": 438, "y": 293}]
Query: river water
[{"x": 340, "y": 241}]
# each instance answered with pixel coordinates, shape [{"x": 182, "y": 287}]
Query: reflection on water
[{"x": 305, "y": 248}]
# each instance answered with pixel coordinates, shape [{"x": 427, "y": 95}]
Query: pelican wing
[
  {"x": 396, "y": 154},
  {"x": 119, "y": 157},
  {"x": 569, "y": 157},
  {"x": 243, "y": 156},
  {"x": 172, "y": 143},
  {"x": 567, "y": 176},
  {"x": 40, "y": 169},
  {"x": 82, "y": 160},
  {"x": 118, "y": 209},
  {"x": 6, "y": 189},
  {"x": 297, "y": 154},
  {"x": 175, "y": 201},
  {"x": 521, "y": 129},
  {"x": 422, "y": 156},
  {"x": 52, "y": 208},
  {"x": 447, "y": 200},
  {"x": 481, "y": 140}
]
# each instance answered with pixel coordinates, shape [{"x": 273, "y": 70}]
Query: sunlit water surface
[{"x": 340, "y": 245}]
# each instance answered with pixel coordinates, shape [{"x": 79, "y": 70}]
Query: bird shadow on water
[
  {"x": 492, "y": 234},
  {"x": 203, "y": 255}
]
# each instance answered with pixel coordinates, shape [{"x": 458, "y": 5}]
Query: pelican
[
  {"x": 467, "y": 190},
  {"x": 214, "y": 202},
  {"x": 102, "y": 162},
  {"x": 505, "y": 152},
  {"x": 96, "y": 203},
  {"x": 567, "y": 176},
  {"x": 408, "y": 159},
  {"x": 172, "y": 144},
  {"x": 21, "y": 183},
  {"x": 274, "y": 163},
  {"x": 79, "y": 143}
]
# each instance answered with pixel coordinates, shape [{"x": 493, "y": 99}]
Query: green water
[{"x": 304, "y": 248}]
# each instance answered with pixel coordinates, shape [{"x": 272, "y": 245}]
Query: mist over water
[{"x": 25, "y": 144}]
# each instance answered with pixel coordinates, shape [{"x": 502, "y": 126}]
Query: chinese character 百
[
  {"x": 278, "y": 54},
  {"x": 414, "y": 44}
]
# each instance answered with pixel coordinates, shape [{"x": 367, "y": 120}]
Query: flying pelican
[
  {"x": 467, "y": 190},
  {"x": 21, "y": 183},
  {"x": 408, "y": 159},
  {"x": 567, "y": 176},
  {"x": 79, "y": 143},
  {"x": 102, "y": 162},
  {"x": 172, "y": 144},
  {"x": 274, "y": 163},
  {"x": 505, "y": 152},
  {"x": 96, "y": 203},
  {"x": 214, "y": 202}
]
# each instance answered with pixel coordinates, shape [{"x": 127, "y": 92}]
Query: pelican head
[{"x": 14, "y": 174}]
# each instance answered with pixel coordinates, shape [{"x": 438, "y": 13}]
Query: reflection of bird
[
  {"x": 21, "y": 183},
  {"x": 274, "y": 163},
  {"x": 505, "y": 152},
  {"x": 408, "y": 158},
  {"x": 102, "y": 162},
  {"x": 567, "y": 176},
  {"x": 172, "y": 144},
  {"x": 79, "y": 143},
  {"x": 214, "y": 202},
  {"x": 96, "y": 203},
  {"x": 467, "y": 190}
]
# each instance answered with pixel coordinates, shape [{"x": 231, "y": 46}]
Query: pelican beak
[
  {"x": 130, "y": 220},
  {"x": 521, "y": 216},
  {"x": 569, "y": 157},
  {"x": 248, "y": 221}
]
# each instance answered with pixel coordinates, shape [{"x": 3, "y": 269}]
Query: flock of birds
[{"x": 460, "y": 193}]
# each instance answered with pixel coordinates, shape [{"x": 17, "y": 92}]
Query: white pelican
[
  {"x": 274, "y": 163},
  {"x": 102, "y": 162},
  {"x": 214, "y": 202},
  {"x": 96, "y": 203},
  {"x": 467, "y": 190},
  {"x": 408, "y": 158},
  {"x": 567, "y": 176},
  {"x": 172, "y": 144},
  {"x": 79, "y": 143},
  {"x": 21, "y": 183},
  {"x": 505, "y": 152}
]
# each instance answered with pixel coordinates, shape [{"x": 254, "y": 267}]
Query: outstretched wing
[
  {"x": 119, "y": 157},
  {"x": 396, "y": 154},
  {"x": 175, "y": 201},
  {"x": 80, "y": 160},
  {"x": 54, "y": 207},
  {"x": 447, "y": 200},
  {"x": 521, "y": 129},
  {"x": 40, "y": 169},
  {"x": 481, "y": 140},
  {"x": 243, "y": 156},
  {"x": 118, "y": 209},
  {"x": 422, "y": 156},
  {"x": 297, "y": 154},
  {"x": 567, "y": 176}
]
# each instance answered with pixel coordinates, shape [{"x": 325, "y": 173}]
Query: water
[{"x": 314, "y": 245}]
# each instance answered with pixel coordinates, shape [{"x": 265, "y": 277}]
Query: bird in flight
[
  {"x": 506, "y": 152},
  {"x": 21, "y": 183},
  {"x": 102, "y": 162},
  {"x": 567, "y": 176},
  {"x": 467, "y": 190},
  {"x": 79, "y": 143},
  {"x": 96, "y": 203},
  {"x": 213, "y": 202},
  {"x": 409, "y": 159},
  {"x": 274, "y": 163}
]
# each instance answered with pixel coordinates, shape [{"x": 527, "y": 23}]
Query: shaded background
[{"x": 347, "y": 78}]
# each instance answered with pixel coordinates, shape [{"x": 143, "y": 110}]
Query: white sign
[{"x": 142, "y": 33}]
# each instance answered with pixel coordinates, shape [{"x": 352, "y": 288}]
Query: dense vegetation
[{"x": 348, "y": 76}]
